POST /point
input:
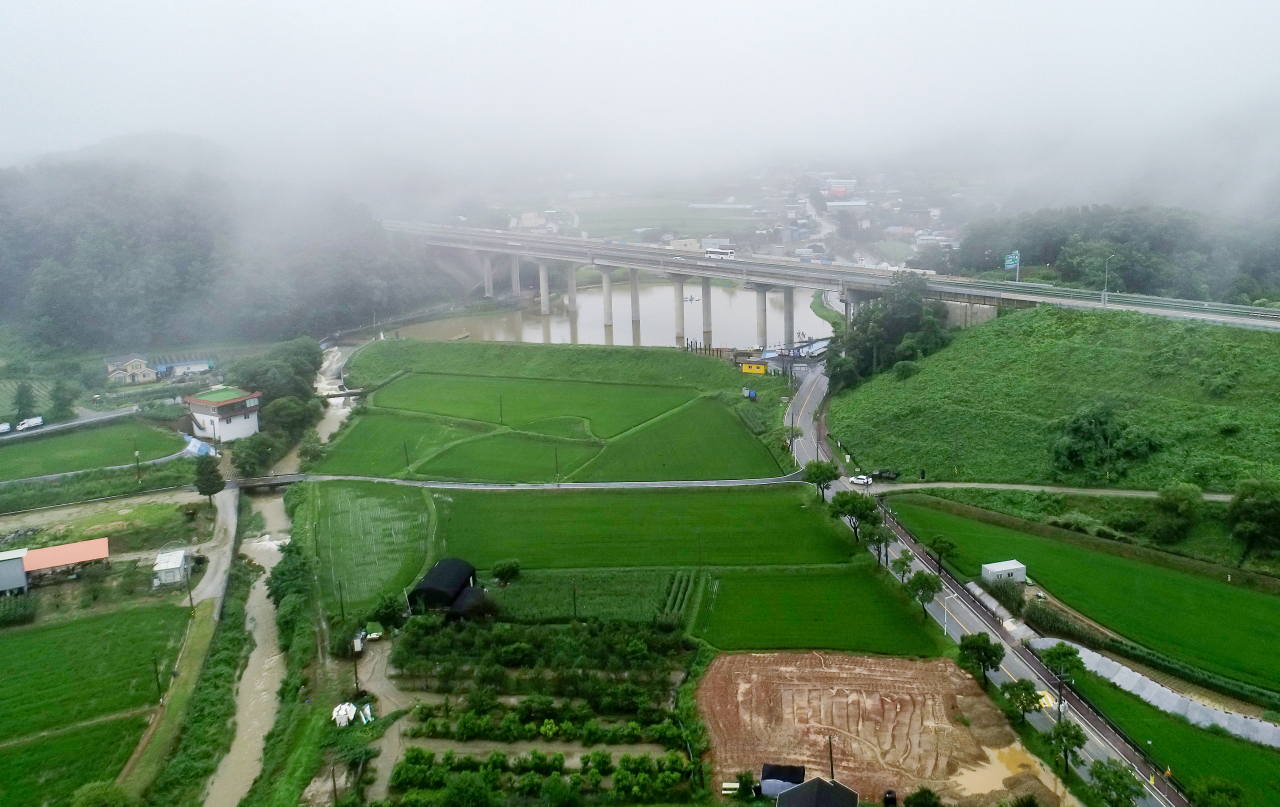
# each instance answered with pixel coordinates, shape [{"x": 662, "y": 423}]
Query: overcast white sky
[{"x": 646, "y": 84}]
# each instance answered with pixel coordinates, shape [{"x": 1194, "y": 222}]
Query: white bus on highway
[{"x": 720, "y": 254}]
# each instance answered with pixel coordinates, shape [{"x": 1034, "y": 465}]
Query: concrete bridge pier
[
  {"x": 706, "y": 311},
  {"x": 488, "y": 275},
  {"x": 789, "y": 317},
  {"x": 606, "y": 281},
  {"x": 544, "y": 289},
  {"x": 515, "y": 275},
  {"x": 571, "y": 275},
  {"x": 677, "y": 283},
  {"x": 635, "y": 299},
  {"x": 762, "y": 315}
]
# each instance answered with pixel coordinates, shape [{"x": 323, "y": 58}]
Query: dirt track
[{"x": 894, "y": 723}]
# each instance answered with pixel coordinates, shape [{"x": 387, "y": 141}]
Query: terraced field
[{"x": 83, "y": 450}]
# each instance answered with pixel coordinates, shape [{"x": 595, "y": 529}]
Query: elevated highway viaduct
[{"x": 854, "y": 284}]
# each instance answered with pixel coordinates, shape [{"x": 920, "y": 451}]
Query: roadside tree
[
  {"x": 1022, "y": 695},
  {"x": 209, "y": 479},
  {"x": 943, "y": 548},
  {"x": 62, "y": 400},
  {"x": 24, "y": 401},
  {"x": 1063, "y": 660},
  {"x": 923, "y": 587},
  {"x": 979, "y": 651},
  {"x": 1254, "y": 515},
  {"x": 901, "y": 565},
  {"x": 1115, "y": 782},
  {"x": 859, "y": 509},
  {"x": 878, "y": 538},
  {"x": 1066, "y": 738},
  {"x": 820, "y": 474},
  {"x": 1179, "y": 507}
]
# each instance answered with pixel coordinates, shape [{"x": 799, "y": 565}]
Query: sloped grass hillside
[
  {"x": 545, "y": 413},
  {"x": 985, "y": 408}
]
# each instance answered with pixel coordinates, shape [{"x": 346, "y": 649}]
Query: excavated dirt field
[{"x": 895, "y": 723}]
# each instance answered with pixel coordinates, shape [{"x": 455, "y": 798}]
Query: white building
[
  {"x": 171, "y": 567},
  {"x": 224, "y": 413},
  {"x": 1006, "y": 571}
]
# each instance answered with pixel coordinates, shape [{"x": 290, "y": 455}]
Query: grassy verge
[
  {"x": 1218, "y": 627},
  {"x": 81, "y": 487},
  {"x": 820, "y": 308},
  {"x": 196, "y": 649},
  {"x": 84, "y": 450},
  {"x": 984, "y": 408},
  {"x": 1191, "y": 753}
]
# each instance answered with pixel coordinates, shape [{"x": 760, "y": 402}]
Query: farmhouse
[
  {"x": 170, "y": 567},
  {"x": 64, "y": 556},
  {"x": 13, "y": 577},
  {"x": 819, "y": 793},
  {"x": 224, "y": 413},
  {"x": 1004, "y": 571},
  {"x": 130, "y": 369},
  {"x": 442, "y": 586}
]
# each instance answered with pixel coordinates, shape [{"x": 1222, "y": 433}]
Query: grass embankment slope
[
  {"x": 538, "y": 413},
  {"x": 982, "y": 409},
  {"x": 1191, "y": 753},
  {"x": 1213, "y": 625},
  {"x": 85, "y": 449}
]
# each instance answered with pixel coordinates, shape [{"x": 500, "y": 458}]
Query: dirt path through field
[{"x": 256, "y": 692}]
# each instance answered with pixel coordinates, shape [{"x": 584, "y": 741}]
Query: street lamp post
[{"x": 1106, "y": 277}]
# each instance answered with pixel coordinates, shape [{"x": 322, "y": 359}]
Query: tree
[
  {"x": 942, "y": 548},
  {"x": 923, "y": 797},
  {"x": 556, "y": 792},
  {"x": 746, "y": 786},
  {"x": 821, "y": 474},
  {"x": 253, "y": 454},
  {"x": 1066, "y": 739},
  {"x": 1115, "y": 783},
  {"x": 1215, "y": 792},
  {"x": 62, "y": 400},
  {"x": 977, "y": 650},
  {"x": 506, "y": 570},
  {"x": 468, "y": 789},
  {"x": 901, "y": 565},
  {"x": 24, "y": 401},
  {"x": 858, "y": 508},
  {"x": 1254, "y": 515},
  {"x": 1096, "y": 439},
  {"x": 923, "y": 587},
  {"x": 100, "y": 794},
  {"x": 1179, "y": 507},
  {"x": 208, "y": 477},
  {"x": 311, "y": 450},
  {"x": 1063, "y": 660},
  {"x": 878, "y": 538},
  {"x": 1022, "y": 695},
  {"x": 389, "y": 611},
  {"x": 290, "y": 415}
]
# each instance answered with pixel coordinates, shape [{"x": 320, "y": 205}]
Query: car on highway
[
  {"x": 861, "y": 479},
  {"x": 4, "y": 427},
  {"x": 31, "y": 423}
]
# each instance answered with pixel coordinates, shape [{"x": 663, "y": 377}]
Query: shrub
[
  {"x": 100, "y": 794},
  {"x": 905, "y": 369},
  {"x": 20, "y": 610},
  {"x": 506, "y": 570},
  {"x": 1008, "y": 594},
  {"x": 469, "y": 790}
]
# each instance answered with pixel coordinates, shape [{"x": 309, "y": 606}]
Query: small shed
[
  {"x": 819, "y": 793},
  {"x": 442, "y": 585},
  {"x": 1006, "y": 571},
  {"x": 170, "y": 567},
  {"x": 50, "y": 558},
  {"x": 13, "y": 577}
]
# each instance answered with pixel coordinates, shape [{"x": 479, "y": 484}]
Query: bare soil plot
[{"x": 894, "y": 723}]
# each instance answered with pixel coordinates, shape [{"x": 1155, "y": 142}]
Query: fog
[{"x": 1085, "y": 98}]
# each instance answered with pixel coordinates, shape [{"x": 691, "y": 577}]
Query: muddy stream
[{"x": 256, "y": 701}]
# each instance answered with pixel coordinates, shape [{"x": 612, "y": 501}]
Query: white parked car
[
  {"x": 861, "y": 480},
  {"x": 4, "y": 427}
]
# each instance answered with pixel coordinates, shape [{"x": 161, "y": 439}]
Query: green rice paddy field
[
  {"x": 85, "y": 449},
  {"x": 47, "y": 770},
  {"x": 69, "y": 672},
  {"x": 1213, "y": 625},
  {"x": 638, "y": 528},
  {"x": 853, "y": 607},
  {"x": 1191, "y": 753},
  {"x": 629, "y": 594}
]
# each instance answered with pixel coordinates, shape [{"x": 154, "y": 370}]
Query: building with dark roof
[
  {"x": 819, "y": 793},
  {"x": 442, "y": 585}
]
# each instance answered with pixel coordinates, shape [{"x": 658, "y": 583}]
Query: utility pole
[
  {"x": 501, "y": 422},
  {"x": 334, "y": 778},
  {"x": 574, "y": 582},
  {"x": 342, "y": 602},
  {"x": 191, "y": 599},
  {"x": 556, "y": 449},
  {"x": 155, "y": 665},
  {"x": 831, "y": 758},
  {"x": 1106, "y": 278},
  {"x": 406, "y": 454}
]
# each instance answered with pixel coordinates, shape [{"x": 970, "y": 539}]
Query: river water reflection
[{"x": 733, "y": 319}]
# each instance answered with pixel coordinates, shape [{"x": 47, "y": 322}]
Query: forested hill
[
  {"x": 1163, "y": 251},
  {"x": 131, "y": 256}
]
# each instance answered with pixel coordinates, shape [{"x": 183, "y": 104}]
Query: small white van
[
  {"x": 4, "y": 427},
  {"x": 31, "y": 423}
]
